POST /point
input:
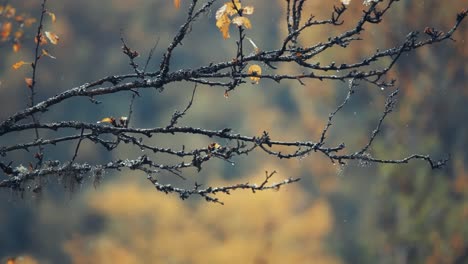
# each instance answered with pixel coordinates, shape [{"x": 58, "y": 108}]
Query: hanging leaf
[
  {"x": 42, "y": 38},
  {"x": 46, "y": 53},
  {"x": 223, "y": 21},
  {"x": 248, "y": 10},
  {"x": 242, "y": 21},
  {"x": 29, "y": 21},
  {"x": 255, "y": 70},
  {"x": 29, "y": 82},
  {"x": 19, "y": 64},
  {"x": 229, "y": 9},
  {"x": 177, "y": 4},
  {"x": 16, "y": 46},
  {"x": 52, "y": 16},
  {"x": 53, "y": 38},
  {"x": 5, "y": 30}
]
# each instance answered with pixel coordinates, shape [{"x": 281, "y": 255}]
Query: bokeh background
[{"x": 357, "y": 213}]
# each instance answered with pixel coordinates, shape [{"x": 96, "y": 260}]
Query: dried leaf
[
  {"x": 109, "y": 120},
  {"x": 19, "y": 64},
  {"x": 223, "y": 22},
  {"x": 29, "y": 82},
  {"x": 231, "y": 9},
  {"x": 257, "y": 50},
  {"x": 177, "y": 3},
  {"x": 19, "y": 34},
  {"x": 29, "y": 21},
  {"x": 16, "y": 46},
  {"x": 42, "y": 38},
  {"x": 9, "y": 11},
  {"x": 255, "y": 70},
  {"x": 213, "y": 146},
  {"x": 46, "y": 53},
  {"x": 248, "y": 10},
  {"x": 6, "y": 30},
  {"x": 53, "y": 38},
  {"x": 242, "y": 21},
  {"x": 52, "y": 16}
]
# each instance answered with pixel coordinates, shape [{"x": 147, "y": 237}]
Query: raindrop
[{"x": 382, "y": 88}]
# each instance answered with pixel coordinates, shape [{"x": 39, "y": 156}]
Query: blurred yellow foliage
[{"x": 146, "y": 226}]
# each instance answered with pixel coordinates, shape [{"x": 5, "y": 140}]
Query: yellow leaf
[
  {"x": 29, "y": 82},
  {"x": 110, "y": 120},
  {"x": 255, "y": 70},
  {"x": 248, "y": 10},
  {"x": 52, "y": 16},
  {"x": 16, "y": 47},
  {"x": 231, "y": 9},
  {"x": 53, "y": 38},
  {"x": 242, "y": 21},
  {"x": 19, "y": 64},
  {"x": 46, "y": 53},
  {"x": 223, "y": 24},
  {"x": 9, "y": 11}
]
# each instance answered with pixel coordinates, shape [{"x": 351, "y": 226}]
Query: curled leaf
[
  {"x": 255, "y": 70},
  {"x": 46, "y": 53},
  {"x": 53, "y": 38},
  {"x": 52, "y": 16}
]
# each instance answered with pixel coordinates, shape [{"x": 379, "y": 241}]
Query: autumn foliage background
[{"x": 337, "y": 214}]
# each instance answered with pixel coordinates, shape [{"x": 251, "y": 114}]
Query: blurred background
[{"x": 356, "y": 213}]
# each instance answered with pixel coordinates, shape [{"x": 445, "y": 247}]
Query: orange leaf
[
  {"x": 43, "y": 40},
  {"x": 19, "y": 34},
  {"x": 19, "y": 64},
  {"x": 255, "y": 70},
  {"x": 177, "y": 3},
  {"x": 52, "y": 16},
  {"x": 9, "y": 11},
  {"x": 28, "y": 22},
  {"x": 6, "y": 30},
  {"x": 29, "y": 82},
  {"x": 109, "y": 120},
  {"x": 16, "y": 46},
  {"x": 53, "y": 38}
]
